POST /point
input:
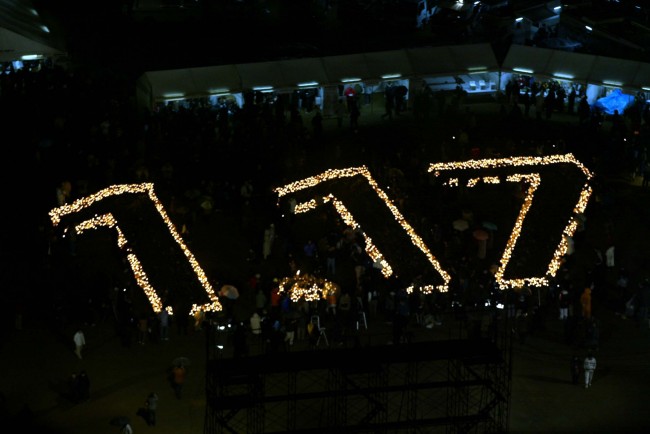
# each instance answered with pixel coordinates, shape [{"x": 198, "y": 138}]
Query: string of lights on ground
[
  {"x": 533, "y": 180},
  {"x": 311, "y": 288},
  {"x": 109, "y": 221}
]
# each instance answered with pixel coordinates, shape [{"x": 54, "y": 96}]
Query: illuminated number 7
[
  {"x": 493, "y": 171},
  {"x": 108, "y": 220}
]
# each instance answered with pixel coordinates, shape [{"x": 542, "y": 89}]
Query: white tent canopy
[
  {"x": 326, "y": 71},
  {"x": 345, "y": 67},
  {"x": 578, "y": 67},
  {"x": 408, "y": 63},
  {"x": 23, "y": 32}
]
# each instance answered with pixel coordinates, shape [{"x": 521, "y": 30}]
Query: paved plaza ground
[{"x": 38, "y": 360}]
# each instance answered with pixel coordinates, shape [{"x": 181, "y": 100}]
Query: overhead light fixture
[
  {"x": 524, "y": 70},
  {"x": 308, "y": 84},
  {"x": 557, "y": 8},
  {"x": 45, "y": 29},
  {"x": 477, "y": 68},
  {"x": 588, "y": 28},
  {"x": 218, "y": 91},
  {"x": 389, "y": 76},
  {"x": 646, "y": 88},
  {"x": 31, "y": 57},
  {"x": 518, "y": 20},
  {"x": 172, "y": 95},
  {"x": 613, "y": 83},
  {"x": 263, "y": 88},
  {"x": 563, "y": 75},
  {"x": 350, "y": 80}
]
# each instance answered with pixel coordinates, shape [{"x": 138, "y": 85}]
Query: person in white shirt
[
  {"x": 79, "y": 342},
  {"x": 589, "y": 366}
]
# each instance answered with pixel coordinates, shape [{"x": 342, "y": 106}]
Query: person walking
[
  {"x": 178, "y": 379},
  {"x": 79, "y": 342},
  {"x": 589, "y": 367},
  {"x": 151, "y": 404}
]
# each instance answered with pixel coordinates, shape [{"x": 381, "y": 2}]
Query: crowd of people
[{"x": 83, "y": 133}]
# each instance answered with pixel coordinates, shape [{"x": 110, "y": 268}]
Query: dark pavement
[{"x": 38, "y": 360}]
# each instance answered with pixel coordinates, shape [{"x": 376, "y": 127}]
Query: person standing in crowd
[
  {"x": 317, "y": 124},
  {"x": 79, "y": 342},
  {"x": 83, "y": 386},
  {"x": 143, "y": 327},
  {"x": 163, "y": 318},
  {"x": 589, "y": 367},
  {"x": 564, "y": 301},
  {"x": 339, "y": 111},
  {"x": 260, "y": 300},
  {"x": 63, "y": 193},
  {"x": 354, "y": 116},
  {"x": 151, "y": 404},
  {"x": 585, "y": 302},
  {"x": 575, "y": 369},
  {"x": 256, "y": 323},
  {"x": 267, "y": 243}
]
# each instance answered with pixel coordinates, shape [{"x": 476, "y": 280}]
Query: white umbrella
[
  {"x": 490, "y": 226},
  {"x": 460, "y": 225},
  {"x": 229, "y": 291},
  {"x": 181, "y": 361}
]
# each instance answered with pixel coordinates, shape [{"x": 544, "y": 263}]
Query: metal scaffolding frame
[{"x": 456, "y": 385}]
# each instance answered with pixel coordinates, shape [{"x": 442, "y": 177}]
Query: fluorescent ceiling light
[
  {"x": 219, "y": 90},
  {"x": 307, "y": 84},
  {"x": 646, "y": 88},
  {"x": 519, "y": 19},
  {"x": 31, "y": 57},
  {"x": 173, "y": 95},
  {"x": 613, "y": 83},
  {"x": 33, "y": 11},
  {"x": 173, "y": 99},
  {"x": 563, "y": 75},
  {"x": 349, "y": 80},
  {"x": 263, "y": 88},
  {"x": 387, "y": 76},
  {"x": 45, "y": 29},
  {"x": 524, "y": 70},
  {"x": 588, "y": 28},
  {"x": 557, "y": 8},
  {"x": 477, "y": 68}
]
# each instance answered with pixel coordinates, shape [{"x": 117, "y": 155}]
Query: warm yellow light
[
  {"x": 307, "y": 287},
  {"x": 363, "y": 171},
  {"x": 533, "y": 180},
  {"x": 108, "y": 220}
]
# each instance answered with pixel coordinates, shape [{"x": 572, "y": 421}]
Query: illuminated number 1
[{"x": 108, "y": 220}]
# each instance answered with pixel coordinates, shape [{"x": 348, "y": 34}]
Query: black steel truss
[{"x": 459, "y": 385}]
